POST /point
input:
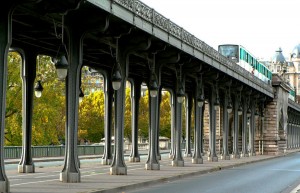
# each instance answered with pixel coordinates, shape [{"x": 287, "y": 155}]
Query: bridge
[{"x": 127, "y": 40}]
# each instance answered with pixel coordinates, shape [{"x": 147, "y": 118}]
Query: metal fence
[{"x": 14, "y": 152}]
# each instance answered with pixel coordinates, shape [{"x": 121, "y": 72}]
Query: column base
[
  {"x": 117, "y": 170},
  {"x": 212, "y": 158},
  {"x": 4, "y": 186},
  {"x": 134, "y": 159},
  {"x": 26, "y": 169},
  {"x": 158, "y": 157},
  {"x": 152, "y": 166},
  {"x": 188, "y": 155},
  {"x": 69, "y": 177},
  {"x": 252, "y": 154},
  {"x": 197, "y": 160},
  {"x": 171, "y": 156},
  {"x": 106, "y": 161},
  {"x": 225, "y": 157},
  {"x": 244, "y": 154},
  {"x": 235, "y": 156},
  {"x": 178, "y": 163}
]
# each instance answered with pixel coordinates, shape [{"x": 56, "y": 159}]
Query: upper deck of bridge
[{"x": 37, "y": 26}]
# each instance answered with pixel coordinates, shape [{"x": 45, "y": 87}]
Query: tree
[
  {"x": 143, "y": 124},
  {"x": 49, "y": 121},
  {"x": 49, "y": 111},
  {"x": 165, "y": 115},
  {"x": 91, "y": 117},
  {"x": 128, "y": 115},
  {"x": 13, "y": 113}
]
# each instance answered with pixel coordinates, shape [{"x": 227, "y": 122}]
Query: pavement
[{"x": 95, "y": 177}]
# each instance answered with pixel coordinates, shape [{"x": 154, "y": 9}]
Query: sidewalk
[{"x": 96, "y": 178}]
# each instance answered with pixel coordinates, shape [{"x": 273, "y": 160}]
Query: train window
[
  {"x": 241, "y": 54},
  {"x": 259, "y": 66}
]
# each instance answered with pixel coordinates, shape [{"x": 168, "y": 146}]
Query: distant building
[
  {"x": 92, "y": 80},
  {"x": 288, "y": 68}
]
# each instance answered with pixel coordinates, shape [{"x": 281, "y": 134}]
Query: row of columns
[
  {"x": 176, "y": 130},
  {"x": 70, "y": 171},
  {"x": 293, "y": 131}
]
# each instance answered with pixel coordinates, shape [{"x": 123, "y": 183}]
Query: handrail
[{"x": 149, "y": 14}]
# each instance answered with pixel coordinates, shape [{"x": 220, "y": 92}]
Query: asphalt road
[{"x": 279, "y": 175}]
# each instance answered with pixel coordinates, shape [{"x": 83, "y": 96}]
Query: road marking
[{"x": 33, "y": 182}]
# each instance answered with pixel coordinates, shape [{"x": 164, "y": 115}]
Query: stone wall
[{"x": 275, "y": 123}]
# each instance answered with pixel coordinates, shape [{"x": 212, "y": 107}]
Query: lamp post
[
  {"x": 61, "y": 62},
  {"x": 180, "y": 94},
  {"x": 200, "y": 94},
  {"x": 256, "y": 110},
  {"x": 229, "y": 105},
  {"x": 61, "y": 66},
  {"x": 116, "y": 77},
  {"x": 180, "y": 91},
  {"x": 38, "y": 88},
  {"x": 153, "y": 86},
  {"x": 217, "y": 102},
  {"x": 240, "y": 108}
]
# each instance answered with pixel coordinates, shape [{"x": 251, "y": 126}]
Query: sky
[{"x": 261, "y": 26}]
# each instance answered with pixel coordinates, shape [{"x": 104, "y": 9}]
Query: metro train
[{"x": 245, "y": 59}]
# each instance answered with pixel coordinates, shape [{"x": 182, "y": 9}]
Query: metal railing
[
  {"x": 14, "y": 152},
  {"x": 142, "y": 10}
]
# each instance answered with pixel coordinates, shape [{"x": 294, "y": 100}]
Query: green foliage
[
  {"x": 49, "y": 111},
  {"x": 143, "y": 122},
  {"x": 91, "y": 117},
  {"x": 127, "y": 119},
  {"x": 165, "y": 115},
  {"x": 49, "y": 121},
  {"x": 13, "y": 112}
]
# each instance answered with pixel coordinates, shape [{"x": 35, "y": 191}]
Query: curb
[{"x": 179, "y": 176}]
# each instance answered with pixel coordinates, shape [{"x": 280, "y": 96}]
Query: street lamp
[
  {"x": 200, "y": 98},
  {"x": 61, "y": 63},
  {"x": 229, "y": 106},
  {"x": 180, "y": 94},
  {"x": 217, "y": 102},
  {"x": 180, "y": 91},
  {"x": 240, "y": 109},
  {"x": 61, "y": 66},
  {"x": 248, "y": 112},
  {"x": 116, "y": 77},
  {"x": 153, "y": 86},
  {"x": 256, "y": 114},
  {"x": 38, "y": 88}
]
